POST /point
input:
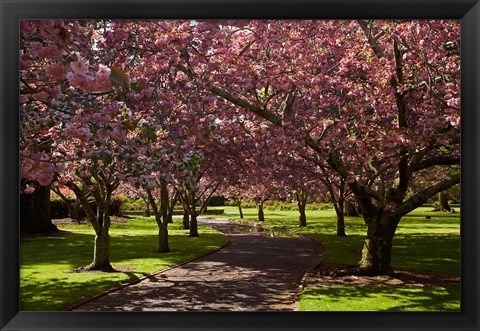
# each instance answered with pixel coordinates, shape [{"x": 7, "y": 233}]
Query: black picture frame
[{"x": 11, "y": 11}]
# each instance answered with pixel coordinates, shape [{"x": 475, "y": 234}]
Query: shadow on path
[{"x": 252, "y": 273}]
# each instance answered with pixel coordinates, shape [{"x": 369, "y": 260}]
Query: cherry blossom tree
[{"x": 377, "y": 100}]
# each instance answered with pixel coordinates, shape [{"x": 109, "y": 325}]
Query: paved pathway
[{"x": 252, "y": 273}]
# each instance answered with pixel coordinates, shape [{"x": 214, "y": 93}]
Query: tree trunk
[
  {"x": 302, "y": 203},
  {"x": 163, "y": 223},
  {"x": 302, "y": 219},
  {"x": 193, "y": 225},
  {"x": 76, "y": 211},
  {"x": 261, "y": 215},
  {"x": 350, "y": 209},
  {"x": 101, "y": 252},
  {"x": 239, "y": 203},
  {"x": 377, "y": 248},
  {"x": 186, "y": 219},
  {"x": 443, "y": 202},
  {"x": 163, "y": 238},
  {"x": 340, "y": 218},
  {"x": 35, "y": 215}
]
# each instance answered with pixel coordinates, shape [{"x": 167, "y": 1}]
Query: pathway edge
[{"x": 136, "y": 281}]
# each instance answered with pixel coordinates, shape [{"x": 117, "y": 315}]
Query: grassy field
[
  {"x": 420, "y": 244},
  {"x": 48, "y": 283},
  {"x": 380, "y": 298}
]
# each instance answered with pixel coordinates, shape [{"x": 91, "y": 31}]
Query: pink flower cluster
[
  {"x": 78, "y": 132},
  {"x": 46, "y": 52},
  {"x": 99, "y": 82},
  {"x": 56, "y": 71},
  {"x": 36, "y": 166}
]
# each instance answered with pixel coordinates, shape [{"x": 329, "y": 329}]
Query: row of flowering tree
[{"x": 367, "y": 108}]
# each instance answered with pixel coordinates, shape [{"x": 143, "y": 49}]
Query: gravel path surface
[{"x": 252, "y": 273}]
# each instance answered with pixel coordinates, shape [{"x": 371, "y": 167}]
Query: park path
[{"x": 254, "y": 272}]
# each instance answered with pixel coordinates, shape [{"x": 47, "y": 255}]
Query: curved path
[{"x": 252, "y": 273}]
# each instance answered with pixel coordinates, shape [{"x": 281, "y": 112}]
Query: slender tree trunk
[
  {"x": 377, "y": 247},
  {"x": 193, "y": 225},
  {"x": 239, "y": 203},
  {"x": 163, "y": 222},
  {"x": 261, "y": 215},
  {"x": 340, "y": 217},
  {"x": 240, "y": 209},
  {"x": 186, "y": 220},
  {"x": 147, "y": 207},
  {"x": 301, "y": 204},
  {"x": 193, "y": 215},
  {"x": 163, "y": 238},
  {"x": 76, "y": 211}
]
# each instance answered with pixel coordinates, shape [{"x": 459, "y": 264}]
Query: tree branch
[{"x": 421, "y": 197}]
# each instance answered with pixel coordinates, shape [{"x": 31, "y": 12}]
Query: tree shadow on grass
[
  {"x": 252, "y": 273},
  {"x": 427, "y": 251},
  {"x": 47, "y": 280},
  {"x": 385, "y": 298},
  {"x": 436, "y": 252},
  {"x": 56, "y": 294},
  {"x": 76, "y": 249}
]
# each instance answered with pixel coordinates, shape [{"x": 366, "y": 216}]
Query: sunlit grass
[
  {"x": 381, "y": 298},
  {"x": 419, "y": 244},
  {"x": 46, "y": 280}
]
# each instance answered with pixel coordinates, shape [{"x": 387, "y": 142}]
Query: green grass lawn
[
  {"x": 380, "y": 298},
  {"x": 420, "y": 244},
  {"x": 48, "y": 283}
]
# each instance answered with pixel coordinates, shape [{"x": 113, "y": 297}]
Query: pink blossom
[
  {"x": 56, "y": 71},
  {"x": 40, "y": 96}
]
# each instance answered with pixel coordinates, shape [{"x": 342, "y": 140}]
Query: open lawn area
[
  {"x": 48, "y": 283},
  {"x": 420, "y": 245}
]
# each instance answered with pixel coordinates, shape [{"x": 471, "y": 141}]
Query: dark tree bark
[
  {"x": 171, "y": 208},
  {"x": 161, "y": 215},
  {"x": 35, "y": 215},
  {"x": 193, "y": 215},
  {"x": 377, "y": 247},
  {"x": 163, "y": 246},
  {"x": 301, "y": 198},
  {"x": 302, "y": 219},
  {"x": 186, "y": 220},
  {"x": 163, "y": 226},
  {"x": 261, "y": 215},
  {"x": 339, "y": 207},
  {"x": 193, "y": 225},
  {"x": 350, "y": 209},
  {"x": 239, "y": 204}
]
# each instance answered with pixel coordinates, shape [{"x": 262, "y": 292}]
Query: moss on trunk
[{"x": 101, "y": 253}]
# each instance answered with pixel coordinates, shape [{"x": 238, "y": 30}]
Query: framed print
[{"x": 239, "y": 165}]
